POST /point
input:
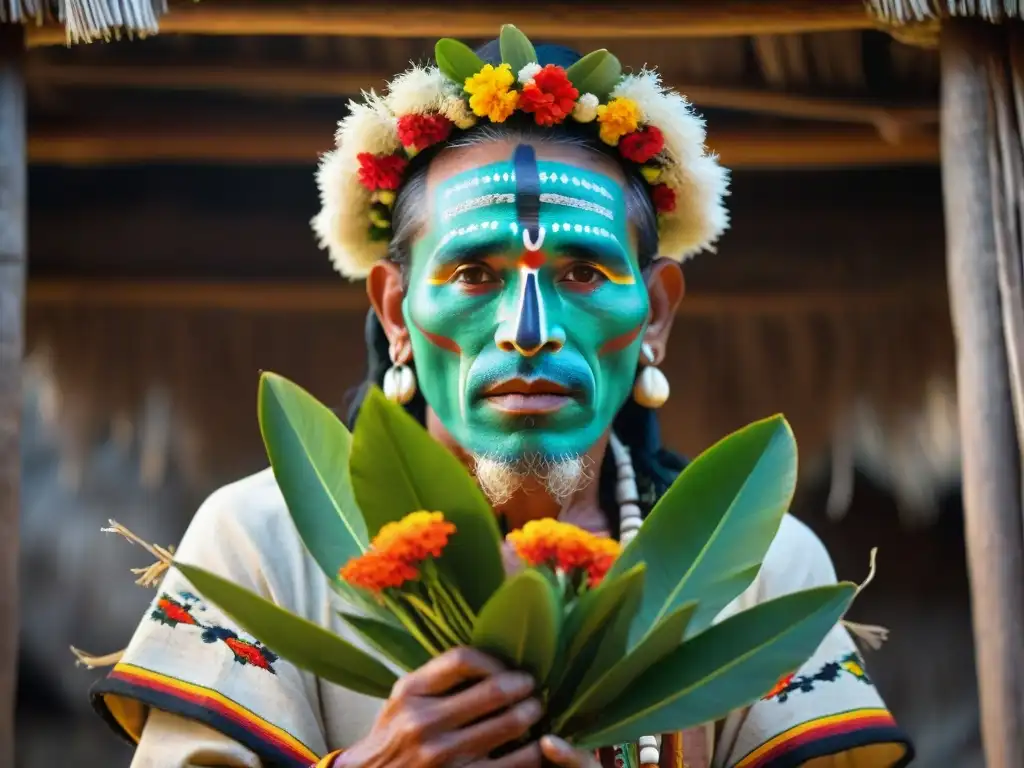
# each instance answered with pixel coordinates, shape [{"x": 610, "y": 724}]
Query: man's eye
[
  {"x": 474, "y": 274},
  {"x": 583, "y": 273}
]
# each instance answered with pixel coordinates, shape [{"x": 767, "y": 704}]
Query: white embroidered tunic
[{"x": 193, "y": 690}]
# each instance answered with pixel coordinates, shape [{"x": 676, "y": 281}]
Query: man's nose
[{"x": 529, "y": 331}]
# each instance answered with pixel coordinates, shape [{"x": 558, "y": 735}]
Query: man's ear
[
  {"x": 665, "y": 287},
  {"x": 384, "y": 288}
]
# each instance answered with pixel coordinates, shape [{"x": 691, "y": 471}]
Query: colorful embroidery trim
[
  {"x": 276, "y": 747},
  {"x": 829, "y": 735},
  {"x": 831, "y": 671},
  {"x": 172, "y": 612}
]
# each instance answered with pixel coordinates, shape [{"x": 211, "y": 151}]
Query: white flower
[
  {"x": 585, "y": 110},
  {"x": 530, "y": 71}
]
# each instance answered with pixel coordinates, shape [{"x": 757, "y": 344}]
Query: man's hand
[
  {"x": 453, "y": 711},
  {"x": 562, "y": 753}
]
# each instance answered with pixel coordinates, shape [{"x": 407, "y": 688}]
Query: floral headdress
[{"x": 652, "y": 127}]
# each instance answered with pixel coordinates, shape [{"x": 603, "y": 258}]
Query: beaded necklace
[{"x": 646, "y": 752}]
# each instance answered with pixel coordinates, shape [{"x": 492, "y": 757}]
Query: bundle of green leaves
[{"x": 635, "y": 653}]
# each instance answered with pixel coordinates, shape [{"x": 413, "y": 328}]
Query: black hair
[{"x": 637, "y": 427}]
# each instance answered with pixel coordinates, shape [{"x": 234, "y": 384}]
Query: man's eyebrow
[
  {"x": 602, "y": 251},
  {"x": 475, "y": 250}
]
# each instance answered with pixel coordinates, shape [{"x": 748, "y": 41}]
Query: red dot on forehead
[{"x": 532, "y": 259}]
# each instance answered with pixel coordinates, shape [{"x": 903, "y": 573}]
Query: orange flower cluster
[
  {"x": 565, "y": 547},
  {"x": 397, "y": 550},
  {"x": 415, "y": 537}
]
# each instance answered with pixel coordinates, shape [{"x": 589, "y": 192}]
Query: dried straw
[
  {"x": 151, "y": 576},
  {"x": 86, "y": 21},
  {"x": 915, "y": 11}
]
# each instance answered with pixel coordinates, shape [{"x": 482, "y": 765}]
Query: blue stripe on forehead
[{"x": 524, "y": 161}]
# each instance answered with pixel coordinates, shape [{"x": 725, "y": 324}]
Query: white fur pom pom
[
  {"x": 419, "y": 91},
  {"x": 369, "y": 127}
]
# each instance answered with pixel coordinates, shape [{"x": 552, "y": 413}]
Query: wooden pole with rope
[
  {"x": 991, "y": 455},
  {"x": 13, "y": 228}
]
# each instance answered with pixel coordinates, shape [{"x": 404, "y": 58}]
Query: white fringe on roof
[{"x": 88, "y": 20}]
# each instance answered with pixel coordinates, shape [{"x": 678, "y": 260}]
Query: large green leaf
[
  {"x": 391, "y": 641},
  {"x": 309, "y": 448},
  {"x": 724, "y": 668},
  {"x": 597, "y": 73},
  {"x": 610, "y": 642},
  {"x": 398, "y": 468},
  {"x": 521, "y": 622},
  {"x": 707, "y": 536},
  {"x": 456, "y": 60},
  {"x": 594, "y": 614},
  {"x": 616, "y": 677},
  {"x": 516, "y": 49},
  {"x": 365, "y": 603},
  {"x": 301, "y": 642}
]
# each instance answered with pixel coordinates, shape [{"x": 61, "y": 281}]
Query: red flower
[
  {"x": 640, "y": 146},
  {"x": 550, "y": 97},
  {"x": 380, "y": 172},
  {"x": 664, "y": 198},
  {"x": 421, "y": 131}
]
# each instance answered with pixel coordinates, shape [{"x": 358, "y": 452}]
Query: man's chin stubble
[{"x": 501, "y": 479}]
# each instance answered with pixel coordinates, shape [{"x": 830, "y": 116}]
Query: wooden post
[
  {"x": 13, "y": 227},
  {"x": 991, "y": 456}
]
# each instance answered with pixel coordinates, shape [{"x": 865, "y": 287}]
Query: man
[{"x": 521, "y": 240}]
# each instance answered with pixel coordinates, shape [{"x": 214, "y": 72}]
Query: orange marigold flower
[
  {"x": 376, "y": 571},
  {"x": 604, "y": 555},
  {"x": 617, "y": 118},
  {"x": 490, "y": 93},
  {"x": 415, "y": 537},
  {"x": 564, "y": 547}
]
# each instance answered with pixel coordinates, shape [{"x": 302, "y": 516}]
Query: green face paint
[{"x": 526, "y": 308}]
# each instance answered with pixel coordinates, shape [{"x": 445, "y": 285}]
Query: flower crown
[{"x": 652, "y": 127}]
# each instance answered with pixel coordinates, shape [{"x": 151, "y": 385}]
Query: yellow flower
[
  {"x": 651, "y": 173},
  {"x": 490, "y": 94},
  {"x": 617, "y": 118}
]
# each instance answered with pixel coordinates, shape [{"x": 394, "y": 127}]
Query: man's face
[{"x": 526, "y": 345}]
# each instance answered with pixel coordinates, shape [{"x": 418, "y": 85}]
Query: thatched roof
[{"x": 89, "y": 20}]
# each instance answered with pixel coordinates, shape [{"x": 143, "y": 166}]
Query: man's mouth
[{"x": 528, "y": 396}]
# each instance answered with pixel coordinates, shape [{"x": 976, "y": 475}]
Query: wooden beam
[
  {"x": 294, "y": 142},
  {"x": 722, "y": 18},
  {"x": 891, "y": 120},
  {"x": 327, "y": 296},
  {"x": 991, "y": 454},
  {"x": 13, "y": 226}
]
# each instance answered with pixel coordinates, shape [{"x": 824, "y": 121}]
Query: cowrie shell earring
[
  {"x": 399, "y": 379},
  {"x": 651, "y": 389}
]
